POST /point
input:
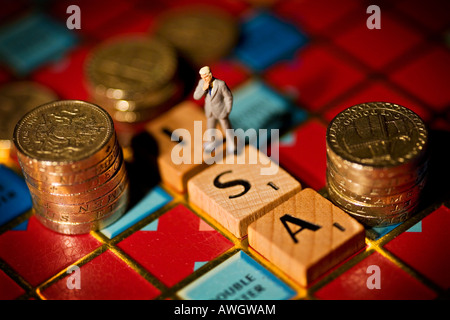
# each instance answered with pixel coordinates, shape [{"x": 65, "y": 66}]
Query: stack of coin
[
  {"x": 202, "y": 35},
  {"x": 16, "y": 99},
  {"x": 377, "y": 162},
  {"x": 73, "y": 166},
  {"x": 133, "y": 78}
]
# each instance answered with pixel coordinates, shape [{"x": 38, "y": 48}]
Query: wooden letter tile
[
  {"x": 238, "y": 193},
  {"x": 306, "y": 235},
  {"x": 182, "y": 116}
]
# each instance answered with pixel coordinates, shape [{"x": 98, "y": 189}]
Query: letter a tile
[
  {"x": 306, "y": 235},
  {"x": 238, "y": 193}
]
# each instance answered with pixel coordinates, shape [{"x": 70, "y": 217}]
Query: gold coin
[
  {"x": 82, "y": 186},
  {"x": 371, "y": 190},
  {"x": 377, "y": 162},
  {"x": 201, "y": 35},
  {"x": 366, "y": 185},
  {"x": 65, "y": 135},
  {"x": 132, "y": 117},
  {"x": 394, "y": 174},
  {"x": 72, "y": 177},
  {"x": 108, "y": 216},
  {"x": 78, "y": 204},
  {"x": 66, "y": 167},
  {"x": 411, "y": 194},
  {"x": 377, "y": 134},
  {"x": 375, "y": 213},
  {"x": 380, "y": 221},
  {"x": 60, "y": 194},
  {"x": 151, "y": 100},
  {"x": 132, "y": 112},
  {"x": 130, "y": 68},
  {"x": 73, "y": 165},
  {"x": 90, "y": 211}
]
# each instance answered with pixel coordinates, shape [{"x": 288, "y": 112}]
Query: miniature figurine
[{"x": 218, "y": 103}]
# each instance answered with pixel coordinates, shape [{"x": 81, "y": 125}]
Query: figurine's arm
[
  {"x": 199, "y": 92},
  {"x": 227, "y": 98}
]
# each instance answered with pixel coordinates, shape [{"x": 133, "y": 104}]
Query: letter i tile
[{"x": 173, "y": 246}]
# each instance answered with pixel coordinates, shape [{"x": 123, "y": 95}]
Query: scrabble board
[{"x": 296, "y": 65}]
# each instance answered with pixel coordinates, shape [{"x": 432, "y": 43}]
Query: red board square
[
  {"x": 428, "y": 77},
  {"x": 11, "y": 9},
  {"x": 106, "y": 277},
  {"x": 433, "y": 14},
  {"x": 141, "y": 18},
  {"x": 4, "y": 75},
  {"x": 395, "y": 284},
  {"x": 315, "y": 15},
  {"x": 37, "y": 253},
  {"x": 8, "y": 288},
  {"x": 378, "y": 91},
  {"x": 315, "y": 77},
  {"x": 233, "y": 73},
  {"x": 441, "y": 124},
  {"x": 303, "y": 154},
  {"x": 232, "y": 6},
  {"x": 427, "y": 251},
  {"x": 94, "y": 14},
  {"x": 66, "y": 77},
  {"x": 175, "y": 245},
  {"x": 132, "y": 23},
  {"x": 378, "y": 47}
]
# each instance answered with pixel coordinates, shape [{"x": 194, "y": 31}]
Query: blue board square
[
  {"x": 416, "y": 228},
  {"x": 382, "y": 231},
  {"x": 33, "y": 41},
  {"x": 238, "y": 278},
  {"x": 265, "y": 39},
  {"x": 15, "y": 197},
  {"x": 256, "y": 106},
  {"x": 154, "y": 200}
]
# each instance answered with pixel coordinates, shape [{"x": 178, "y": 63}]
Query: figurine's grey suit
[{"x": 218, "y": 103}]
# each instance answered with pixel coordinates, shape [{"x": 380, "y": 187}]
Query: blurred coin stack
[
  {"x": 73, "y": 166},
  {"x": 377, "y": 162},
  {"x": 133, "y": 78},
  {"x": 200, "y": 34},
  {"x": 16, "y": 99}
]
